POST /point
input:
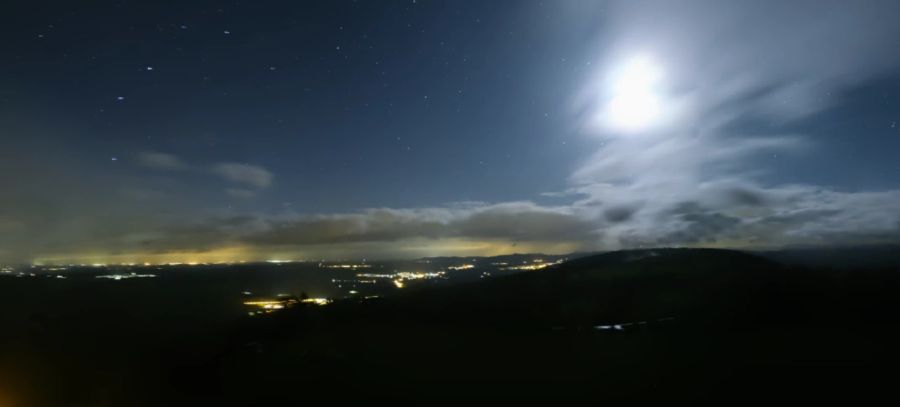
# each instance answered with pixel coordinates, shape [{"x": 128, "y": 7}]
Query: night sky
[{"x": 217, "y": 131}]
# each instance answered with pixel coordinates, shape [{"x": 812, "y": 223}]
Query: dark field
[{"x": 705, "y": 325}]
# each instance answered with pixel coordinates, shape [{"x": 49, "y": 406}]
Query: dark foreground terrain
[{"x": 652, "y": 325}]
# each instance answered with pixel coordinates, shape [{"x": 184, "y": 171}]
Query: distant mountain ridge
[
  {"x": 877, "y": 256},
  {"x": 881, "y": 256}
]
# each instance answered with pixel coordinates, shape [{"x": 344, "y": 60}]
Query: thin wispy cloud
[{"x": 248, "y": 175}]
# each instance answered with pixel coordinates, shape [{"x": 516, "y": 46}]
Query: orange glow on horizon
[{"x": 408, "y": 249}]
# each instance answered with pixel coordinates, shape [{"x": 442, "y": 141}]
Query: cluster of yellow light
[
  {"x": 371, "y": 275},
  {"x": 317, "y": 301},
  {"x": 414, "y": 248},
  {"x": 461, "y": 267},
  {"x": 269, "y": 306},
  {"x": 345, "y": 266},
  {"x": 285, "y": 302},
  {"x": 405, "y": 275},
  {"x": 529, "y": 267},
  {"x": 223, "y": 255},
  {"x": 536, "y": 265},
  {"x": 125, "y": 276},
  {"x": 143, "y": 264},
  {"x": 338, "y": 281},
  {"x": 399, "y": 277},
  {"x": 263, "y": 303}
]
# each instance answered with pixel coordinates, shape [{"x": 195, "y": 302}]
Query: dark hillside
[{"x": 695, "y": 324}]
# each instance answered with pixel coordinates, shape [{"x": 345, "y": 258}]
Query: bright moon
[{"x": 635, "y": 102}]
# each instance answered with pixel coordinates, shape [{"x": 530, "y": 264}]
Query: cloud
[
  {"x": 618, "y": 214},
  {"x": 161, "y": 161},
  {"x": 465, "y": 229},
  {"x": 251, "y": 178},
  {"x": 516, "y": 221},
  {"x": 248, "y": 175},
  {"x": 746, "y": 215},
  {"x": 779, "y": 58},
  {"x": 775, "y": 217},
  {"x": 740, "y": 79}
]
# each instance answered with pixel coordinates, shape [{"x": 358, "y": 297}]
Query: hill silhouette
[
  {"x": 698, "y": 324},
  {"x": 611, "y": 287},
  {"x": 652, "y": 325}
]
